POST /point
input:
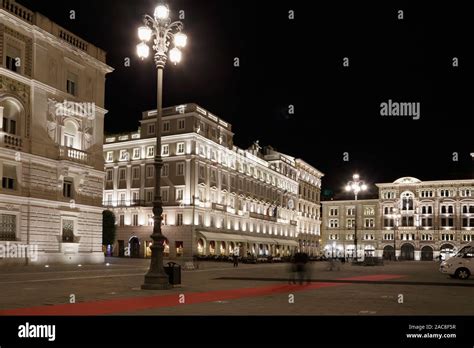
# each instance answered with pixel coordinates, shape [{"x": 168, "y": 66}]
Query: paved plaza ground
[{"x": 219, "y": 289}]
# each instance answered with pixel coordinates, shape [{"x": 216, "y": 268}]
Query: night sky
[{"x": 300, "y": 62}]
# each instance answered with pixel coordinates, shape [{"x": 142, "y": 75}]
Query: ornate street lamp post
[
  {"x": 355, "y": 186},
  {"x": 163, "y": 32}
]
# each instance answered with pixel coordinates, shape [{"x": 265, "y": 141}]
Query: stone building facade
[{"x": 51, "y": 136}]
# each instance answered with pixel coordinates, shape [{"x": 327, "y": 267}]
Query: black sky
[{"x": 299, "y": 62}]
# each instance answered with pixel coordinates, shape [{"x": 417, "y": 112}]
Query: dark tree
[{"x": 108, "y": 227}]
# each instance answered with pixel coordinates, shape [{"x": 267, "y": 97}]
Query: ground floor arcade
[{"x": 402, "y": 250}]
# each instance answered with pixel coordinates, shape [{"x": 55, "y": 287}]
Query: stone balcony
[
  {"x": 11, "y": 141},
  {"x": 74, "y": 155}
]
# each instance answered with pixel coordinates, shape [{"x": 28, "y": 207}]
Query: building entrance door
[
  {"x": 426, "y": 253},
  {"x": 407, "y": 252},
  {"x": 134, "y": 247}
]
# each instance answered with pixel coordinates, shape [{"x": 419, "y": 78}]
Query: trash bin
[{"x": 173, "y": 270}]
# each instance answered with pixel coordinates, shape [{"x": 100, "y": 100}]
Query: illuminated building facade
[
  {"x": 51, "y": 136},
  {"x": 420, "y": 220},
  {"x": 216, "y": 196}
]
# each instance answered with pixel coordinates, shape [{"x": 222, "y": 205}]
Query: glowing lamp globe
[
  {"x": 143, "y": 50},
  {"x": 144, "y": 34},
  {"x": 180, "y": 40},
  {"x": 162, "y": 12},
  {"x": 175, "y": 55}
]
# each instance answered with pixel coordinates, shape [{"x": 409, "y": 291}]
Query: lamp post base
[{"x": 156, "y": 282}]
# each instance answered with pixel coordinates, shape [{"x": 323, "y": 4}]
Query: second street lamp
[
  {"x": 355, "y": 186},
  {"x": 163, "y": 32}
]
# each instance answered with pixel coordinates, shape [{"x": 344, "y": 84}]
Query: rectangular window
[
  {"x": 165, "y": 170},
  {"x": 122, "y": 198},
  {"x": 13, "y": 59},
  {"x": 447, "y": 222},
  {"x": 166, "y": 127},
  {"x": 71, "y": 83},
  {"x": 179, "y": 219},
  {"x": 121, "y": 220},
  {"x": 135, "y": 196},
  {"x": 110, "y": 156},
  {"x": 388, "y": 222},
  {"x": 151, "y": 129},
  {"x": 150, "y": 220},
  {"x": 109, "y": 174},
  {"x": 468, "y": 222},
  {"x": 181, "y": 124},
  {"x": 68, "y": 231},
  {"x": 368, "y": 223},
  {"x": 67, "y": 188},
  {"x": 202, "y": 172},
  {"x": 180, "y": 169},
  {"x": 135, "y": 220},
  {"x": 124, "y": 155},
  {"x": 164, "y": 219},
  {"x": 9, "y": 177},
  {"x": 179, "y": 194},
  {"x": 149, "y": 196},
  {"x": 165, "y": 150},
  {"x": 136, "y": 153},
  {"x": 150, "y": 171},
  {"x": 164, "y": 194},
  {"x": 7, "y": 227},
  {"x": 201, "y": 220},
  {"x": 180, "y": 148},
  {"x": 136, "y": 173},
  {"x": 150, "y": 151},
  {"x": 369, "y": 211},
  {"x": 122, "y": 173}
]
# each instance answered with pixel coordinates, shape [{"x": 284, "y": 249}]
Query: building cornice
[
  {"x": 55, "y": 41},
  {"x": 309, "y": 167}
]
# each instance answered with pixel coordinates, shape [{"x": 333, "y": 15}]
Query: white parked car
[{"x": 460, "y": 265}]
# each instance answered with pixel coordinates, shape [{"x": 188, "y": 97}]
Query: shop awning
[
  {"x": 242, "y": 238},
  {"x": 223, "y": 237},
  {"x": 260, "y": 240},
  {"x": 289, "y": 242}
]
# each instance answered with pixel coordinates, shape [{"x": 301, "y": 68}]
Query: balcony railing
[
  {"x": 12, "y": 141},
  {"x": 127, "y": 203},
  {"x": 18, "y": 10},
  {"x": 72, "y": 39},
  {"x": 75, "y": 155},
  {"x": 7, "y": 236}
]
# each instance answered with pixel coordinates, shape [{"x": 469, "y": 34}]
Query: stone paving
[{"x": 424, "y": 289}]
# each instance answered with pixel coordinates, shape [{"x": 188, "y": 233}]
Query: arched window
[
  {"x": 10, "y": 113},
  {"x": 70, "y": 138},
  {"x": 406, "y": 201}
]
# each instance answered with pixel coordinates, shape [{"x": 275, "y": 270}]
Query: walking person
[{"x": 235, "y": 256}]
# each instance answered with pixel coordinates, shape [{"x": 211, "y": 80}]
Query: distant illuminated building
[{"x": 428, "y": 219}]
